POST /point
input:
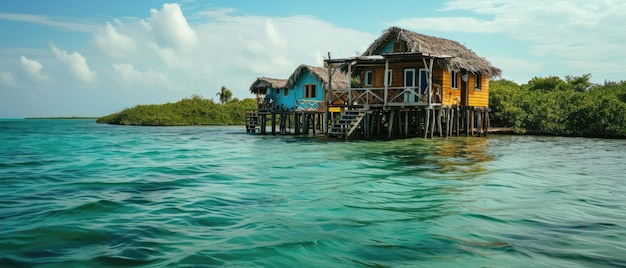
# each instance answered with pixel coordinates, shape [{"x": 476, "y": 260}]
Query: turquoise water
[{"x": 76, "y": 193}]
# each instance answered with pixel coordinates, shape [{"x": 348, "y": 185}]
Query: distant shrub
[
  {"x": 188, "y": 111},
  {"x": 573, "y": 107}
]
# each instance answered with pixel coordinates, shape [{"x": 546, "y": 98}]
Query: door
[
  {"x": 409, "y": 83},
  {"x": 423, "y": 82}
]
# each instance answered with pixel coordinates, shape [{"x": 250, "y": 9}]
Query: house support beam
[{"x": 386, "y": 79}]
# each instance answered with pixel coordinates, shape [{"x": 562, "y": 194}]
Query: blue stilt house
[{"x": 302, "y": 95}]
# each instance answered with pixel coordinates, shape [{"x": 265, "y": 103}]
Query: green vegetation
[
  {"x": 553, "y": 106},
  {"x": 188, "y": 111}
]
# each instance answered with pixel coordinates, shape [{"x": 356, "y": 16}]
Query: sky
[{"x": 98, "y": 57}]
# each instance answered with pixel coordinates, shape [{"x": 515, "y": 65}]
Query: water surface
[{"x": 77, "y": 193}]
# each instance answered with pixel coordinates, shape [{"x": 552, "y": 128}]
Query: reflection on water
[
  {"x": 206, "y": 196},
  {"x": 463, "y": 154}
]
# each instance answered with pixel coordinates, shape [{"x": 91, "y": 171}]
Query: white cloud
[
  {"x": 170, "y": 28},
  {"x": 77, "y": 63},
  {"x": 451, "y": 24},
  {"x": 563, "y": 33},
  {"x": 7, "y": 79},
  {"x": 516, "y": 69},
  {"x": 113, "y": 43},
  {"x": 167, "y": 56},
  {"x": 130, "y": 75},
  {"x": 577, "y": 28},
  {"x": 33, "y": 69},
  {"x": 47, "y": 21}
]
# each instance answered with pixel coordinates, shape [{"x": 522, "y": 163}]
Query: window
[
  {"x": 368, "y": 78},
  {"x": 477, "y": 78},
  {"x": 389, "y": 77},
  {"x": 310, "y": 91},
  {"x": 285, "y": 92},
  {"x": 454, "y": 79},
  {"x": 277, "y": 91}
]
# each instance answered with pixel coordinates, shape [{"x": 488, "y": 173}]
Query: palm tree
[{"x": 225, "y": 94}]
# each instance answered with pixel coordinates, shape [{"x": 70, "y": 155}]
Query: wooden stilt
[
  {"x": 467, "y": 121},
  {"x": 273, "y": 123},
  {"x": 426, "y": 122},
  {"x": 487, "y": 123},
  {"x": 298, "y": 125},
  {"x": 432, "y": 123},
  {"x": 390, "y": 126},
  {"x": 479, "y": 123},
  {"x": 263, "y": 123},
  {"x": 406, "y": 123},
  {"x": 447, "y": 117},
  {"x": 456, "y": 121},
  {"x": 438, "y": 118},
  {"x": 472, "y": 121},
  {"x": 379, "y": 122}
]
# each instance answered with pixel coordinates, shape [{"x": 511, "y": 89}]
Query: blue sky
[{"x": 93, "y": 58}]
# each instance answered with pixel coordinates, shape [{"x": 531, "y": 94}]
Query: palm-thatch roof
[
  {"x": 262, "y": 83},
  {"x": 339, "y": 79},
  {"x": 456, "y": 56}
]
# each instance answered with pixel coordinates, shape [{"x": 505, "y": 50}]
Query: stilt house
[
  {"x": 302, "y": 96},
  {"x": 411, "y": 85},
  {"x": 267, "y": 89}
]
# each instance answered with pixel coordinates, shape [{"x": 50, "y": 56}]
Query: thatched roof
[
  {"x": 265, "y": 82},
  {"x": 339, "y": 79},
  {"x": 461, "y": 56}
]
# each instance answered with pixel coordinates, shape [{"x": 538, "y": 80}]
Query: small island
[{"x": 195, "y": 110}]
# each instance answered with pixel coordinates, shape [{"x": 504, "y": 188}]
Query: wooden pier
[
  {"x": 437, "y": 121},
  {"x": 372, "y": 123},
  {"x": 285, "y": 122}
]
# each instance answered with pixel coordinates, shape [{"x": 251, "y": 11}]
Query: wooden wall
[
  {"x": 478, "y": 98},
  {"x": 450, "y": 96}
]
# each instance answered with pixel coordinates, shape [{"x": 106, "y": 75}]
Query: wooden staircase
[
  {"x": 252, "y": 120},
  {"x": 349, "y": 121}
]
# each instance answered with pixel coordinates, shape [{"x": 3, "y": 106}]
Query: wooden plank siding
[
  {"x": 478, "y": 98},
  {"x": 450, "y": 96}
]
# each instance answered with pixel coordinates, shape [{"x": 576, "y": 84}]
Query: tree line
[
  {"x": 195, "y": 110},
  {"x": 553, "y": 106}
]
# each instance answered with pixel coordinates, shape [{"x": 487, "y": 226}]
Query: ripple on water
[{"x": 102, "y": 195}]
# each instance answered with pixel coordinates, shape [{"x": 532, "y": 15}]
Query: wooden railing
[
  {"x": 390, "y": 96},
  {"x": 309, "y": 105}
]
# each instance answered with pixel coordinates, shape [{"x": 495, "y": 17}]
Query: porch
[{"x": 384, "y": 97}]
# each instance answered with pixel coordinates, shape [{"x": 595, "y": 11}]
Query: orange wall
[{"x": 479, "y": 98}]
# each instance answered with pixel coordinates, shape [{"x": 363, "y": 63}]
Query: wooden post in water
[
  {"x": 426, "y": 122},
  {"x": 457, "y": 119},
  {"x": 305, "y": 124},
  {"x": 467, "y": 121},
  {"x": 439, "y": 123},
  {"x": 379, "y": 122},
  {"x": 297, "y": 123},
  {"x": 479, "y": 122},
  {"x": 432, "y": 122},
  {"x": 288, "y": 122},
  {"x": 390, "y": 123},
  {"x": 406, "y": 123},
  {"x": 366, "y": 125},
  {"x": 263, "y": 123},
  {"x": 486, "y": 121},
  {"x": 273, "y": 123}
]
